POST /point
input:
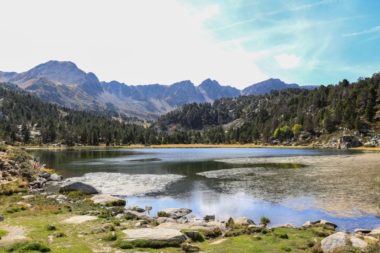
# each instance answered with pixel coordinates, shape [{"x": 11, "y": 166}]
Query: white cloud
[
  {"x": 288, "y": 61},
  {"x": 374, "y": 29},
  {"x": 143, "y": 41}
]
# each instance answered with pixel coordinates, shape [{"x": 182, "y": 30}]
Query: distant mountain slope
[
  {"x": 267, "y": 86},
  {"x": 63, "y": 83}
]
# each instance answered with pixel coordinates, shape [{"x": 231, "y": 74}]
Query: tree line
[{"x": 281, "y": 115}]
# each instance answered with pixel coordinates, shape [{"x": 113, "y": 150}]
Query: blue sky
[
  {"x": 237, "y": 42},
  {"x": 319, "y": 42}
]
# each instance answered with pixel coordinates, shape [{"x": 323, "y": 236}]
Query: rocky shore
[{"x": 40, "y": 211}]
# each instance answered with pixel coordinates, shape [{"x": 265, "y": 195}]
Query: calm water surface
[{"x": 181, "y": 178}]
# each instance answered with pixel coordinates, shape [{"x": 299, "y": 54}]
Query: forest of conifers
[{"x": 281, "y": 115}]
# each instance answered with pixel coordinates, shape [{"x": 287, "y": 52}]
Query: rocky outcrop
[{"x": 78, "y": 186}]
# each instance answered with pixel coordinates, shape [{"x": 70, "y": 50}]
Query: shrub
[
  {"x": 51, "y": 227},
  {"x": 284, "y": 236},
  {"x": 110, "y": 237},
  {"x": 230, "y": 223},
  {"x": 264, "y": 221},
  {"x": 162, "y": 214}
]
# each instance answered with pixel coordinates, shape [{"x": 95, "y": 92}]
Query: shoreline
[{"x": 140, "y": 146}]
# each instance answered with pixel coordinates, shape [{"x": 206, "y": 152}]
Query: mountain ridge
[{"x": 64, "y": 83}]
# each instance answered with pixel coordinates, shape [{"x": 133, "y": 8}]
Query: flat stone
[
  {"x": 158, "y": 234},
  {"x": 108, "y": 200},
  {"x": 78, "y": 186},
  {"x": 79, "y": 219}
]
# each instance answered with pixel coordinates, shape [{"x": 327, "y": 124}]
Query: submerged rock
[
  {"x": 80, "y": 187},
  {"x": 108, "y": 200}
]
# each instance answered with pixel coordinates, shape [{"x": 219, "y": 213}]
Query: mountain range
[{"x": 63, "y": 83}]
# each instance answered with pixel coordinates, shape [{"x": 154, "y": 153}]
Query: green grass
[{"x": 3, "y": 233}]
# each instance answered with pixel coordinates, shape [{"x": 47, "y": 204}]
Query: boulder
[
  {"x": 129, "y": 214},
  {"x": 334, "y": 241},
  {"x": 341, "y": 240},
  {"x": 107, "y": 200},
  {"x": 44, "y": 174},
  {"x": 1, "y": 218},
  {"x": 358, "y": 243},
  {"x": 176, "y": 213},
  {"x": 155, "y": 234},
  {"x": 55, "y": 177},
  {"x": 80, "y": 187},
  {"x": 243, "y": 221}
]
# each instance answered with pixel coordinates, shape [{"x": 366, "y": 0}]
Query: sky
[{"x": 237, "y": 42}]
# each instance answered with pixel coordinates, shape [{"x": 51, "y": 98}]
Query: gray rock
[
  {"x": 375, "y": 231},
  {"x": 1, "y": 218},
  {"x": 341, "y": 240},
  {"x": 177, "y": 213},
  {"x": 44, "y": 174},
  {"x": 107, "y": 200},
  {"x": 78, "y": 186},
  {"x": 56, "y": 177},
  {"x": 243, "y": 221},
  {"x": 362, "y": 231},
  {"x": 358, "y": 243},
  {"x": 156, "y": 234},
  {"x": 165, "y": 220},
  {"x": 334, "y": 241},
  {"x": 129, "y": 214}
]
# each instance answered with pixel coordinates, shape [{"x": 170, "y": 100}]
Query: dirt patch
[{"x": 79, "y": 219}]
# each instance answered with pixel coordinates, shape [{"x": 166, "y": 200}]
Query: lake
[{"x": 209, "y": 181}]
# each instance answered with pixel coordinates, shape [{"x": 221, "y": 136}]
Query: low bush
[
  {"x": 162, "y": 214},
  {"x": 28, "y": 247}
]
